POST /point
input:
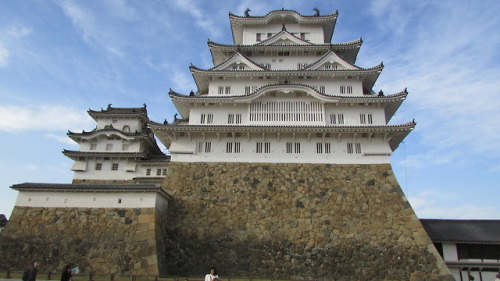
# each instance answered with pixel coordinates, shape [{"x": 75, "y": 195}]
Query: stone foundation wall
[
  {"x": 96, "y": 240},
  {"x": 332, "y": 222}
]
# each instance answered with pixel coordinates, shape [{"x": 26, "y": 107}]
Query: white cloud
[
  {"x": 257, "y": 8},
  {"x": 4, "y": 57},
  {"x": 433, "y": 203},
  {"x": 390, "y": 16},
  {"x": 119, "y": 8},
  {"x": 157, "y": 65},
  {"x": 453, "y": 84},
  {"x": 31, "y": 167},
  {"x": 17, "y": 30},
  {"x": 458, "y": 212},
  {"x": 183, "y": 82},
  {"x": 202, "y": 20},
  {"x": 42, "y": 118},
  {"x": 93, "y": 32},
  {"x": 62, "y": 139}
]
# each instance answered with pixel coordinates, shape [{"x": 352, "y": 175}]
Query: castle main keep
[{"x": 278, "y": 168}]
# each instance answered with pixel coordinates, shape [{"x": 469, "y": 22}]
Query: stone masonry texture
[
  {"x": 112, "y": 241},
  {"x": 286, "y": 221},
  {"x": 295, "y": 221}
]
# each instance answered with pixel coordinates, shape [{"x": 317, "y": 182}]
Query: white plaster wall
[
  {"x": 91, "y": 200},
  {"x": 280, "y": 63},
  {"x": 115, "y": 140},
  {"x": 314, "y": 33},
  {"x": 119, "y": 123},
  {"x": 220, "y": 113},
  {"x": 332, "y": 85},
  {"x": 374, "y": 151},
  {"x": 127, "y": 170},
  {"x": 352, "y": 113},
  {"x": 450, "y": 252}
]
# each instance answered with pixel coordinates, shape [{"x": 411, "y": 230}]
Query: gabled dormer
[
  {"x": 284, "y": 38},
  {"x": 331, "y": 61},
  {"x": 238, "y": 62}
]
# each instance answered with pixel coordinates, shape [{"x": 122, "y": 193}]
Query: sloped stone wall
[
  {"x": 332, "y": 222},
  {"x": 96, "y": 240}
]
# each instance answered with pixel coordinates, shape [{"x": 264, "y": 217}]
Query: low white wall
[{"x": 91, "y": 200}]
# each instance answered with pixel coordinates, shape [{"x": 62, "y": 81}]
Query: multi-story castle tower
[
  {"x": 120, "y": 149},
  {"x": 280, "y": 161},
  {"x": 283, "y": 94}
]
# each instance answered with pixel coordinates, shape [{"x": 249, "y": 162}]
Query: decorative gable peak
[
  {"x": 284, "y": 38},
  {"x": 238, "y": 62},
  {"x": 331, "y": 61}
]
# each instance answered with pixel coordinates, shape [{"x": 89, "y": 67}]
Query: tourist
[
  {"x": 33, "y": 272},
  {"x": 498, "y": 277},
  {"x": 212, "y": 276},
  {"x": 66, "y": 273}
]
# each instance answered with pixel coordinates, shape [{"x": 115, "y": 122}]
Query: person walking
[
  {"x": 212, "y": 275},
  {"x": 33, "y": 272},
  {"x": 66, "y": 273}
]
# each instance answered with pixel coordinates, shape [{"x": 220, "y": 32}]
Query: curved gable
[
  {"x": 284, "y": 90},
  {"x": 331, "y": 61},
  {"x": 284, "y": 38},
  {"x": 238, "y": 62}
]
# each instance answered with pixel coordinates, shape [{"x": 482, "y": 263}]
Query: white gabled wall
[{"x": 134, "y": 124}]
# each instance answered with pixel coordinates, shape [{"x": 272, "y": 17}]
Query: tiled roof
[
  {"x": 203, "y": 77},
  {"x": 110, "y": 128},
  {"x": 116, "y": 154},
  {"x": 339, "y": 45},
  {"x": 282, "y": 16},
  {"x": 283, "y": 10},
  {"x": 348, "y": 50},
  {"x": 61, "y": 187},
  {"x": 463, "y": 231},
  {"x": 119, "y": 111},
  {"x": 301, "y": 71}
]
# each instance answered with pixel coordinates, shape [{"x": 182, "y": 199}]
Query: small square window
[
  {"x": 98, "y": 166},
  {"x": 114, "y": 167}
]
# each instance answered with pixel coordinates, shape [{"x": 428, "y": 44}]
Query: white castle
[
  {"x": 120, "y": 148},
  {"x": 283, "y": 93},
  {"x": 278, "y": 166}
]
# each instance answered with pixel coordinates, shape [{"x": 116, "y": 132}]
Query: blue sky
[{"x": 59, "y": 58}]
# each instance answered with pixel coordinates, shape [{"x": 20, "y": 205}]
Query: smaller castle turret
[{"x": 120, "y": 149}]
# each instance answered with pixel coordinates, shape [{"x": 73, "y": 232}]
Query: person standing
[
  {"x": 33, "y": 272},
  {"x": 66, "y": 273},
  {"x": 212, "y": 276}
]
